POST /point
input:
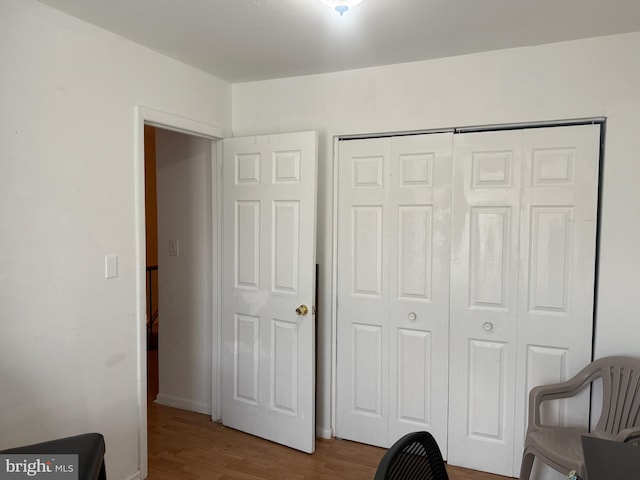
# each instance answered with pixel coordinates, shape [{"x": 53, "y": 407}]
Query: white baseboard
[
  {"x": 325, "y": 433},
  {"x": 135, "y": 476},
  {"x": 183, "y": 403}
]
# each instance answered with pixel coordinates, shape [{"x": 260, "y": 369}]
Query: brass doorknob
[{"x": 302, "y": 310}]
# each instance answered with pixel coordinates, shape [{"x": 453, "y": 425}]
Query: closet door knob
[
  {"x": 488, "y": 326},
  {"x": 412, "y": 316}
]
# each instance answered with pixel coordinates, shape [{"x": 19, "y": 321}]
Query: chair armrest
[
  {"x": 628, "y": 435},
  {"x": 566, "y": 389}
]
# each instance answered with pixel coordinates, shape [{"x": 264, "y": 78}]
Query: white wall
[
  {"x": 184, "y": 281},
  {"x": 69, "y": 337},
  {"x": 593, "y": 77},
  {"x": 68, "y": 91}
]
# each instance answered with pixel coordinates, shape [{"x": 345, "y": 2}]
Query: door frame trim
[
  {"x": 168, "y": 121},
  {"x": 334, "y": 289}
]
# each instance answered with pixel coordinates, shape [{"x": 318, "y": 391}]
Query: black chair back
[{"x": 415, "y": 456}]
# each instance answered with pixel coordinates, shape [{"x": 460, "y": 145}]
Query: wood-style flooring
[{"x": 187, "y": 445}]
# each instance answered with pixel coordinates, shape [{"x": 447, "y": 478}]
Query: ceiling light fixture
[{"x": 341, "y": 6}]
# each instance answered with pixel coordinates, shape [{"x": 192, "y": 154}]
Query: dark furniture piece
[
  {"x": 89, "y": 447},
  {"x": 560, "y": 447},
  {"x": 608, "y": 459},
  {"x": 415, "y": 456},
  {"x": 152, "y": 315}
]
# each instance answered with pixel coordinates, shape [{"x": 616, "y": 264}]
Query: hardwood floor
[{"x": 187, "y": 445}]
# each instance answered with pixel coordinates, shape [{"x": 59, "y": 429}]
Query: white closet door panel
[
  {"x": 363, "y": 291},
  {"x": 557, "y": 267},
  {"x": 393, "y": 257},
  {"x": 484, "y": 299},
  {"x": 523, "y": 261},
  {"x": 459, "y": 293},
  {"x": 419, "y": 245}
]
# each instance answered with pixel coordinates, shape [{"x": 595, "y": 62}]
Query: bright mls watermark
[{"x": 15, "y": 466}]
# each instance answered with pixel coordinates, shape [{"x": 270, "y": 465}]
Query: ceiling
[{"x": 247, "y": 40}]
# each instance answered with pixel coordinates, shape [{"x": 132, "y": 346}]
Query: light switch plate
[
  {"x": 111, "y": 266},
  {"x": 173, "y": 248}
]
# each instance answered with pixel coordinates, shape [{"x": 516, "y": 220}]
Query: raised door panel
[
  {"x": 489, "y": 255},
  {"x": 284, "y": 367},
  {"x": 367, "y": 365},
  {"x": 366, "y": 250},
  {"x": 487, "y": 412},
  {"x": 285, "y": 247},
  {"x": 546, "y": 365},
  {"x": 550, "y": 252},
  {"x": 415, "y": 252},
  {"x": 247, "y": 236},
  {"x": 414, "y": 378},
  {"x": 245, "y": 358}
]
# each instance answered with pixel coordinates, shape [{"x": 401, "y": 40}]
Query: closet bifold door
[
  {"x": 484, "y": 299},
  {"x": 394, "y": 205},
  {"x": 522, "y": 283}
]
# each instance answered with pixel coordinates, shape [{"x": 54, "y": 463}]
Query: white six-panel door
[
  {"x": 393, "y": 287},
  {"x": 269, "y": 219},
  {"x": 522, "y": 276}
]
